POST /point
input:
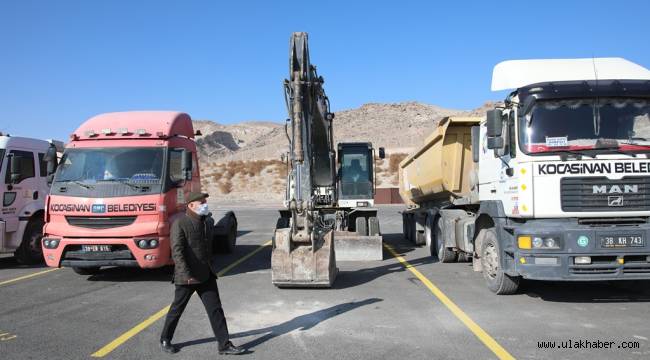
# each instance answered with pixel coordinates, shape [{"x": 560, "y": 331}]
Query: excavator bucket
[
  {"x": 296, "y": 264},
  {"x": 352, "y": 247}
]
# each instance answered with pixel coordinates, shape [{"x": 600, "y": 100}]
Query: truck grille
[
  {"x": 100, "y": 222},
  {"x": 608, "y": 265},
  {"x": 118, "y": 252},
  {"x": 583, "y": 194}
]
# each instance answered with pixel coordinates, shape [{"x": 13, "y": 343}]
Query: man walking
[{"x": 191, "y": 245}]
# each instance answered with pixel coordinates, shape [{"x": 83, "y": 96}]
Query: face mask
[{"x": 202, "y": 210}]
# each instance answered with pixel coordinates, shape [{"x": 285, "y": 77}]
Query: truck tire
[
  {"x": 373, "y": 226},
  {"x": 420, "y": 236},
  {"x": 30, "y": 251},
  {"x": 464, "y": 257},
  {"x": 282, "y": 223},
  {"x": 410, "y": 228},
  {"x": 405, "y": 227},
  {"x": 445, "y": 254},
  {"x": 496, "y": 279},
  {"x": 86, "y": 270},
  {"x": 361, "y": 226},
  {"x": 229, "y": 242}
]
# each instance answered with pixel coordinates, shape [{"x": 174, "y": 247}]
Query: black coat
[{"x": 191, "y": 245}]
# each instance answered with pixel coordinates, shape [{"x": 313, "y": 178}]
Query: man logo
[
  {"x": 614, "y": 201},
  {"x": 615, "y": 189}
]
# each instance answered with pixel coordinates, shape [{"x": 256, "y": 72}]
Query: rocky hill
[{"x": 241, "y": 161}]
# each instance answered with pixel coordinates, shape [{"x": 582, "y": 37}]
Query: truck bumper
[
  {"x": 123, "y": 253},
  {"x": 582, "y": 241}
]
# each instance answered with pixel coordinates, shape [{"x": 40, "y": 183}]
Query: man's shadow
[{"x": 302, "y": 322}]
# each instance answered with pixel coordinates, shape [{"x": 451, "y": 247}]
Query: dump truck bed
[{"x": 442, "y": 167}]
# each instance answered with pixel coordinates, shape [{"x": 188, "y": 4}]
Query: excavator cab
[
  {"x": 355, "y": 174},
  {"x": 358, "y": 237}
]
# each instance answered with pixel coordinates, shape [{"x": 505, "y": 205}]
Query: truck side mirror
[
  {"x": 494, "y": 123},
  {"x": 51, "y": 160},
  {"x": 382, "y": 153},
  {"x": 186, "y": 164},
  {"x": 476, "y": 143},
  {"x": 14, "y": 168},
  {"x": 495, "y": 143}
]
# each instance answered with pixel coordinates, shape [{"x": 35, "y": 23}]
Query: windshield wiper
[
  {"x": 564, "y": 154},
  {"x": 125, "y": 182},
  {"x": 87, "y": 186},
  {"x": 615, "y": 149},
  {"x": 77, "y": 182}
]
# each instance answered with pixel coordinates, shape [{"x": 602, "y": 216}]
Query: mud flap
[
  {"x": 298, "y": 265},
  {"x": 352, "y": 247}
]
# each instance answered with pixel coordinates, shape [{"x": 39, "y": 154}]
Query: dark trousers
[{"x": 209, "y": 294}]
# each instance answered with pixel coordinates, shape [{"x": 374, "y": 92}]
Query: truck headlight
[
  {"x": 51, "y": 243},
  {"x": 582, "y": 260},
  {"x": 147, "y": 243},
  {"x": 550, "y": 243},
  {"x": 538, "y": 242}
]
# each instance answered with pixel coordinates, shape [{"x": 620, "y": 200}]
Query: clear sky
[{"x": 63, "y": 61}]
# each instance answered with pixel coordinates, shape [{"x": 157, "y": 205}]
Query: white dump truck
[
  {"x": 552, "y": 185},
  {"x": 25, "y": 186}
]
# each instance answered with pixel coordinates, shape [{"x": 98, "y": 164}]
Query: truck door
[{"x": 17, "y": 195}]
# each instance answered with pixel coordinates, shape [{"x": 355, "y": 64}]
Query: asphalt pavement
[{"x": 407, "y": 306}]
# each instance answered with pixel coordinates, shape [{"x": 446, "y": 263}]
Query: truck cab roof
[
  {"x": 135, "y": 125},
  {"x": 515, "y": 74},
  {"x": 23, "y": 142}
]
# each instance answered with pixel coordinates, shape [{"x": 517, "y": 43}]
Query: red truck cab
[{"x": 121, "y": 182}]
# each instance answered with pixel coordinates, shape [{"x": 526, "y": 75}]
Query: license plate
[
  {"x": 622, "y": 241},
  {"x": 95, "y": 247}
]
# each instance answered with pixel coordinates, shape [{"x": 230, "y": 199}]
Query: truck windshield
[
  {"x": 356, "y": 174},
  {"x": 128, "y": 165},
  {"x": 603, "y": 124}
]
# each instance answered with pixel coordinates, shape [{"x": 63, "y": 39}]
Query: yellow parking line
[
  {"x": 27, "y": 276},
  {"x": 153, "y": 318},
  {"x": 481, "y": 334},
  {"x": 244, "y": 258},
  {"x": 131, "y": 333}
]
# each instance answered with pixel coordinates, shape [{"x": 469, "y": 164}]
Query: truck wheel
[
  {"x": 231, "y": 238},
  {"x": 30, "y": 251},
  {"x": 406, "y": 225},
  {"x": 361, "y": 226},
  {"x": 429, "y": 237},
  {"x": 496, "y": 279},
  {"x": 445, "y": 255},
  {"x": 282, "y": 223},
  {"x": 373, "y": 226},
  {"x": 86, "y": 270},
  {"x": 410, "y": 229},
  {"x": 420, "y": 236},
  {"x": 464, "y": 257}
]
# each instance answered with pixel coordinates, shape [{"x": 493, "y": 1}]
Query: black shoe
[
  {"x": 231, "y": 349},
  {"x": 168, "y": 347}
]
